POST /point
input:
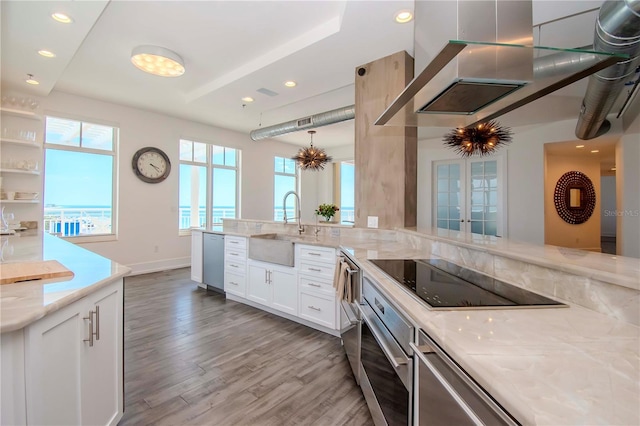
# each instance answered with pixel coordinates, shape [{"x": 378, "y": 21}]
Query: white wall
[
  {"x": 148, "y": 213},
  {"x": 608, "y": 204}
]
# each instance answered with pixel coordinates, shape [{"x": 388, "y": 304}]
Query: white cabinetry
[
  {"x": 196, "y": 257},
  {"x": 21, "y": 164},
  {"x": 235, "y": 265},
  {"x": 273, "y": 286},
  {"x": 316, "y": 269},
  {"x": 74, "y": 362}
]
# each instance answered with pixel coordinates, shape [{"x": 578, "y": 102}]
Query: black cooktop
[{"x": 444, "y": 285}]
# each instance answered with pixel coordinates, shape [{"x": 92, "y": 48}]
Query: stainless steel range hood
[{"x": 470, "y": 82}]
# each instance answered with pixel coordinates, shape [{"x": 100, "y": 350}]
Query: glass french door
[{"x": 468, "y": 196}]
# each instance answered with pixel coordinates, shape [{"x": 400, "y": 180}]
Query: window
[
  {"x": 347, "y": 193},
  {"x": 285, "y": 179},
  {"x": 79, "y": 178},
  {"x": 208, "y": 184}
]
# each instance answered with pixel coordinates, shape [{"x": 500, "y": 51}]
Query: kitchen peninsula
[
  {"x": 62, "y": 338},
  {"x": 573, "y": 365}
]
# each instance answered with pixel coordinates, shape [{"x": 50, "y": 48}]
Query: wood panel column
[{"x": 385, "y": 156}]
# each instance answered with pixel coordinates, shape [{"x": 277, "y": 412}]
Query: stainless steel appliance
[
  {"x": 443, "y": 285},
  {"x": 213, "y": 267},
  {"x": 445, "y": 395},
  {"x": 386, "y": 375},
  {"x": 350, "y": 320}
]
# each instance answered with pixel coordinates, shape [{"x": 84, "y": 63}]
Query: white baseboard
[{"x": 159, "y": 265}]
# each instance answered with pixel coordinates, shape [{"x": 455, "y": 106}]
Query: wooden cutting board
[{"x": 37, "y": 270}]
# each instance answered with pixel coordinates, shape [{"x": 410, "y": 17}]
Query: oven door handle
[{"x": 396, "y": 361}]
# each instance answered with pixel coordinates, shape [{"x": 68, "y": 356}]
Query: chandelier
[
  {"x": 312, "y": 158},
  {"x": 480, "y": 140}
]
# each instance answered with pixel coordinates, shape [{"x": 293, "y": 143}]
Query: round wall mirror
[{"x": 574, "y": 197}]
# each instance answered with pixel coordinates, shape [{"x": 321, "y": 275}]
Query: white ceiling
[{"x": 233, "y": 48}]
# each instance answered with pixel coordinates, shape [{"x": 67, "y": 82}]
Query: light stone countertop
[
  {"x": 546, "y": 366},
  {"x": 23, "y": 303}
]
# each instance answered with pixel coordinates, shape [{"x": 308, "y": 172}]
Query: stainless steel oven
[
  {"x": 350, "y": 320},
  {"x": 446, "y": 395},
  {"x": 386, "y": 375}
]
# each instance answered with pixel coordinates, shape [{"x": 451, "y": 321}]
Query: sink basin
[{"x": 272, "y": 248}]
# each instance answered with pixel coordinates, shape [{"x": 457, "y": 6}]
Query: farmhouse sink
[{"x": 272, "y": 248}]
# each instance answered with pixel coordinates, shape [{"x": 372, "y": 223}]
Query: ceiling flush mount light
[
  {"x": 403, "y": 16},
  {"x": 480, "y": 140},
  {"x": 46, "y": 53},
  {"x": 312, "y": 158},
  {"x": 247, "y": 99},
  {"x": 290, "y": 83},
  {"x": 157, "y": 60},
  {"x": 62, "y": 17},
  {"x": 32, "y": 80}
]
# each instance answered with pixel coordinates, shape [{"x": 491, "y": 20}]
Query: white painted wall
[
  {"x": 608, "y": 205},
  {"x": 148, "y": 214}
]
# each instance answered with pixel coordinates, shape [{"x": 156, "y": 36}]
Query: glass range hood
[{"x": 468, "y": 83}]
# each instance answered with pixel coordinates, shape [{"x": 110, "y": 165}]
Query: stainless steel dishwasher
[{"x": 213, "y": 253}]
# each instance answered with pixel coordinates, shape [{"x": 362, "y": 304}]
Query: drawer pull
[
  {"x": 314, "y": 254},
  {"x": 233, "y": 242},
  {"x": 315, "y": 285},
  {"x": 231, "y": 282},
  {"x": 315, "y": 269},
  {"x": 314, "y": 308},
  {"x": 233, "y": 254},
  {"x": 234, "y": 266}
]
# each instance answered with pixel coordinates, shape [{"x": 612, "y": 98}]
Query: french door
[{"x": 469, "y": 195}]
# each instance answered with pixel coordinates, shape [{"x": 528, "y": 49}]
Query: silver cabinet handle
[
  {"x": 234, "y": 266},
  {"x": 315, "y": 269},
  {"x": 315, "y": 285},
  {"x": 314, "y": 308},
  {"x": 97, "y": 313},
  {"x": 314, "y": 254},
  {"x": 266, "y": 281},
  {"x": 233, "y": 254},
  {"x": 233, "y": 242},
  {"x": 231, "y": 282},
  {"x": 90, "y": 339},
  {"x": 270, "y": 280}
]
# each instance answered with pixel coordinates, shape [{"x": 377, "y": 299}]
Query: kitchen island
[
  {"x": 62, "y": 338},
  {"x": 549, "y": 366}
]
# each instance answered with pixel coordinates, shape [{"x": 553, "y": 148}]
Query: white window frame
[
  {"x": 210, "y": 167},
  {"x": 296, "y": 176},
  {"x": 114, "y": 172}
]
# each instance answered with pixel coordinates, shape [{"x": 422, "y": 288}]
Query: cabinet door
[
  {"x": 284, "y": 290},
  {"x": 53, "y": 364},
  {"x": 196, "y": 256},
  {"x": 258, "y": 289},
  {"x": 102, "y": 401}
]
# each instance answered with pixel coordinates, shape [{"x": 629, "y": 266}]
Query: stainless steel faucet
[{"x": 284, "y": 208}]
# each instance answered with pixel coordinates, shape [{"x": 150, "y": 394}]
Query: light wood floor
[{"x": 192, "y": 357}]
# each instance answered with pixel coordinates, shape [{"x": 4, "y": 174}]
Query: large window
[
  {"x": 208, "y": 184},
  {"x": 285, "y": 179},
  {"x": 347, "y": 193},
  {"x": 79, "y": 179}
]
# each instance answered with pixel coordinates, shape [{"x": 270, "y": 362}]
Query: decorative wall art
[{"x": 574, "y": 197}]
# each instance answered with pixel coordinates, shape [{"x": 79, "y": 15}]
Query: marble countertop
[
  {"x": 546, "y": 366},
  {"x": 23, "y": 303}
]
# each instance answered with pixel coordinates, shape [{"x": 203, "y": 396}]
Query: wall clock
[{"x": 151, "y": 164}]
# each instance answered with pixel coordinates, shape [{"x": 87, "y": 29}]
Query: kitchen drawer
[
  {"x": 319, "y": 285},
  {"x": 235, "y": 242},
  {"x": 235, "y": 283},
  {"x": 235, "y": 267},
  {"x": 317, "y": 253},
  {"x": 317, "y": 269},
  {"x": 318, "y": 309},
  {"x": 233, "y": 253}
]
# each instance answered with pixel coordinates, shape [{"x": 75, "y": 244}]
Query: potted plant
[{"x": 327, "y": 211}]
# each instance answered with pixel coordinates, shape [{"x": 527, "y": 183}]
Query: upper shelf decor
[
  {"x": 481, "y": 139},
  {"x": 574, "y": 197},
  {"x": 312, "y": 158}
]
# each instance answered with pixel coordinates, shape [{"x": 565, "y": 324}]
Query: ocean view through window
[
  {"x": 285, "y": 179},
  {"x": 79, "y": 178},
  {"x": 208, "y": 177}
]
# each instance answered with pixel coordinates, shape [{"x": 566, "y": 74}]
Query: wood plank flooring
[{"x": 192, "y": 357}]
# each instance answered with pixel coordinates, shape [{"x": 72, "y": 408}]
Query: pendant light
[
  {"x": 482, "y": 139},
  {"x": 312, "y": 158}
]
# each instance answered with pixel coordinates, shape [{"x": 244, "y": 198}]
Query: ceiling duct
[
  {"x": 617, "y": 31},
  {"x": 318, "y": 120}
]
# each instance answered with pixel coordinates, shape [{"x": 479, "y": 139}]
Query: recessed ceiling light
[
  {"x": 595, "y": 150},
  {"x": 613, "y": 169},
  {"x": 579, "y": 146},
  {"x": 31, "y": 80},
  {"x": 247, "y": 99},
  {"x": 62, "y": 17},
  {"x": 403, "y": 16},
  {"x": 46, "y": 53},
  {"x": 157, "y": 60},
  {"x": 290, "y": 83}
]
